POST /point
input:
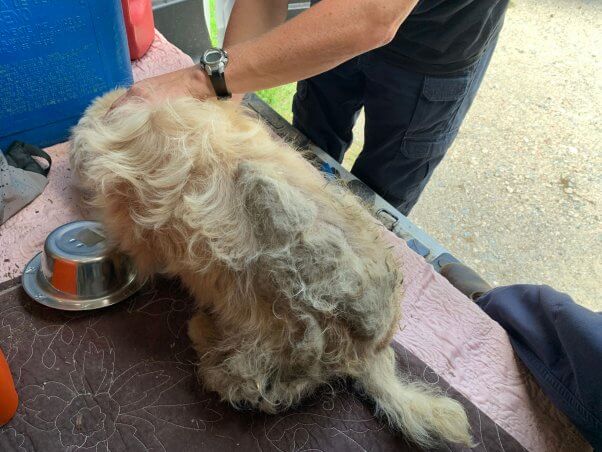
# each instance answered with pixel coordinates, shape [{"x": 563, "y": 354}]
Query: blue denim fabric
[{"x": 560, "y": 342}]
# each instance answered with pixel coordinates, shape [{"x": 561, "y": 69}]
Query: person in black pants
[
  {"x": 415, "y": 66},
  {"x": 415, "y": 92}
]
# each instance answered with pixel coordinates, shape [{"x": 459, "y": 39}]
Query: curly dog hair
[{"x": 294, "y": 282}]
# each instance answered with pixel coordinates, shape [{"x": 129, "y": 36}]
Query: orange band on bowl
[{"x": 64, "y": 277}]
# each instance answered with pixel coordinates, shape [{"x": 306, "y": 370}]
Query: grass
[
  {"x": 279, "y": 98},
  {"x": 212, "y": 23}
]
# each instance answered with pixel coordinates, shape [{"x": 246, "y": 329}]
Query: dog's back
[{"x": 212, "y": 178}]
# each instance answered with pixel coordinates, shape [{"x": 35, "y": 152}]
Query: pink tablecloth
[{"x": 440, "y": 325}]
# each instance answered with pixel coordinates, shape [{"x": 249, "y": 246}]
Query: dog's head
[
  {"x": 182, "y": 178},
  {"x": 136, "y": 165}
]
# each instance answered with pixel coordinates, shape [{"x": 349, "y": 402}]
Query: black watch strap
[{"x": 219, "y": 86}]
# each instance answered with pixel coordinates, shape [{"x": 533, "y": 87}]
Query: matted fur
[{"x": 294, "y": 283}]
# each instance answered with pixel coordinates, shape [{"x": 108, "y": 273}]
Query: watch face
[{"x": 213, "y": 57}]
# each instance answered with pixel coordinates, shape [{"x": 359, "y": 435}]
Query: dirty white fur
[{"x": 294, "y": 283}]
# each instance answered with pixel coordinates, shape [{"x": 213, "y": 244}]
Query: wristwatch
[{"x": 214, "y": 62}]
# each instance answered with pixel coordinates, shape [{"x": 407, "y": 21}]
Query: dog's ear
[{"x": 277, "y": 211}]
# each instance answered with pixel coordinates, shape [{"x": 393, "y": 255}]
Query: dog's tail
[{"x": 425, "y": 417}]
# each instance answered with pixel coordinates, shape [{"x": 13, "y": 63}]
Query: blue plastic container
[{"x": 55, "y": 57}]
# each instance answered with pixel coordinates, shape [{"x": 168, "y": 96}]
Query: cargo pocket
[{"x": 434, "y": 122}]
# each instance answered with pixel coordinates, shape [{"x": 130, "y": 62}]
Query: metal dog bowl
[{"x": 77, "y": 270}]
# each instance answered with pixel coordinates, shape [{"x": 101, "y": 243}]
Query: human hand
[
  {"x": 189, "y": 82},
  {"x": 237, "y": 98}
]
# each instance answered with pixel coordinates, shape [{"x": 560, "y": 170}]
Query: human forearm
[
  {"x": 326, "y": 35},
  {"x": 252, "y": 18}
]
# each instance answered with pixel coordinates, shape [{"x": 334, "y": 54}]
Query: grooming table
[{"x": 122, "y": 378}]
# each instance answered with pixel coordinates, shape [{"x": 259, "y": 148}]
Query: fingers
[
  {"x": 238, "y": 98},
  {"x": 120, "y": 101},
  {"x": 137, "y": 90}
]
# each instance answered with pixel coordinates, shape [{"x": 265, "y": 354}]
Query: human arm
[
  {"x": 250, "y": 19},
  {"x": 324, "y": 36}
]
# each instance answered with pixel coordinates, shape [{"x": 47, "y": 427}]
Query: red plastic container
[
  {"x": 139, "y": 25},
  {"x": 8, "y": 396}
]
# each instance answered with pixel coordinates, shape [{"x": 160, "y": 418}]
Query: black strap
[
  {"x": 19, "y": 155},
  {"x": 219, "y": 86}
]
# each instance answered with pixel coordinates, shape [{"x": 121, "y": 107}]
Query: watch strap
[{"x": 219, "y": 85}]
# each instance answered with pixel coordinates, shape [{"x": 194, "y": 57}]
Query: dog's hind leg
[
  {"x": 245, "y": 373},
  {"x": 202, "y": 333}
]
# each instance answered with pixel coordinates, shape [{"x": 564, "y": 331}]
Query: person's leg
[
  {"x": 560, "y": 342},
  {"x": 326, "y": 107},
  {"x": 411, "y": 121}
]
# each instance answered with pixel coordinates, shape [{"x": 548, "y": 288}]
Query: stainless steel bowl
[{"x": 78, "y": 271}]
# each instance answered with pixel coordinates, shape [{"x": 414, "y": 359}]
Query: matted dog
[{"x": 294, "y": 282}]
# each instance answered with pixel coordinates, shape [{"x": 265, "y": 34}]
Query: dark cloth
[
  {"x": 21, "y": 155},
  {"x": 123, "y": 379},
  {"x": 22, "y": 178},
  {"x": 411, "y": 119},
  {"x": 560, "y": 342},
  {"x": 445, "y": 36},
  {"x": 442, "y": 37}
]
